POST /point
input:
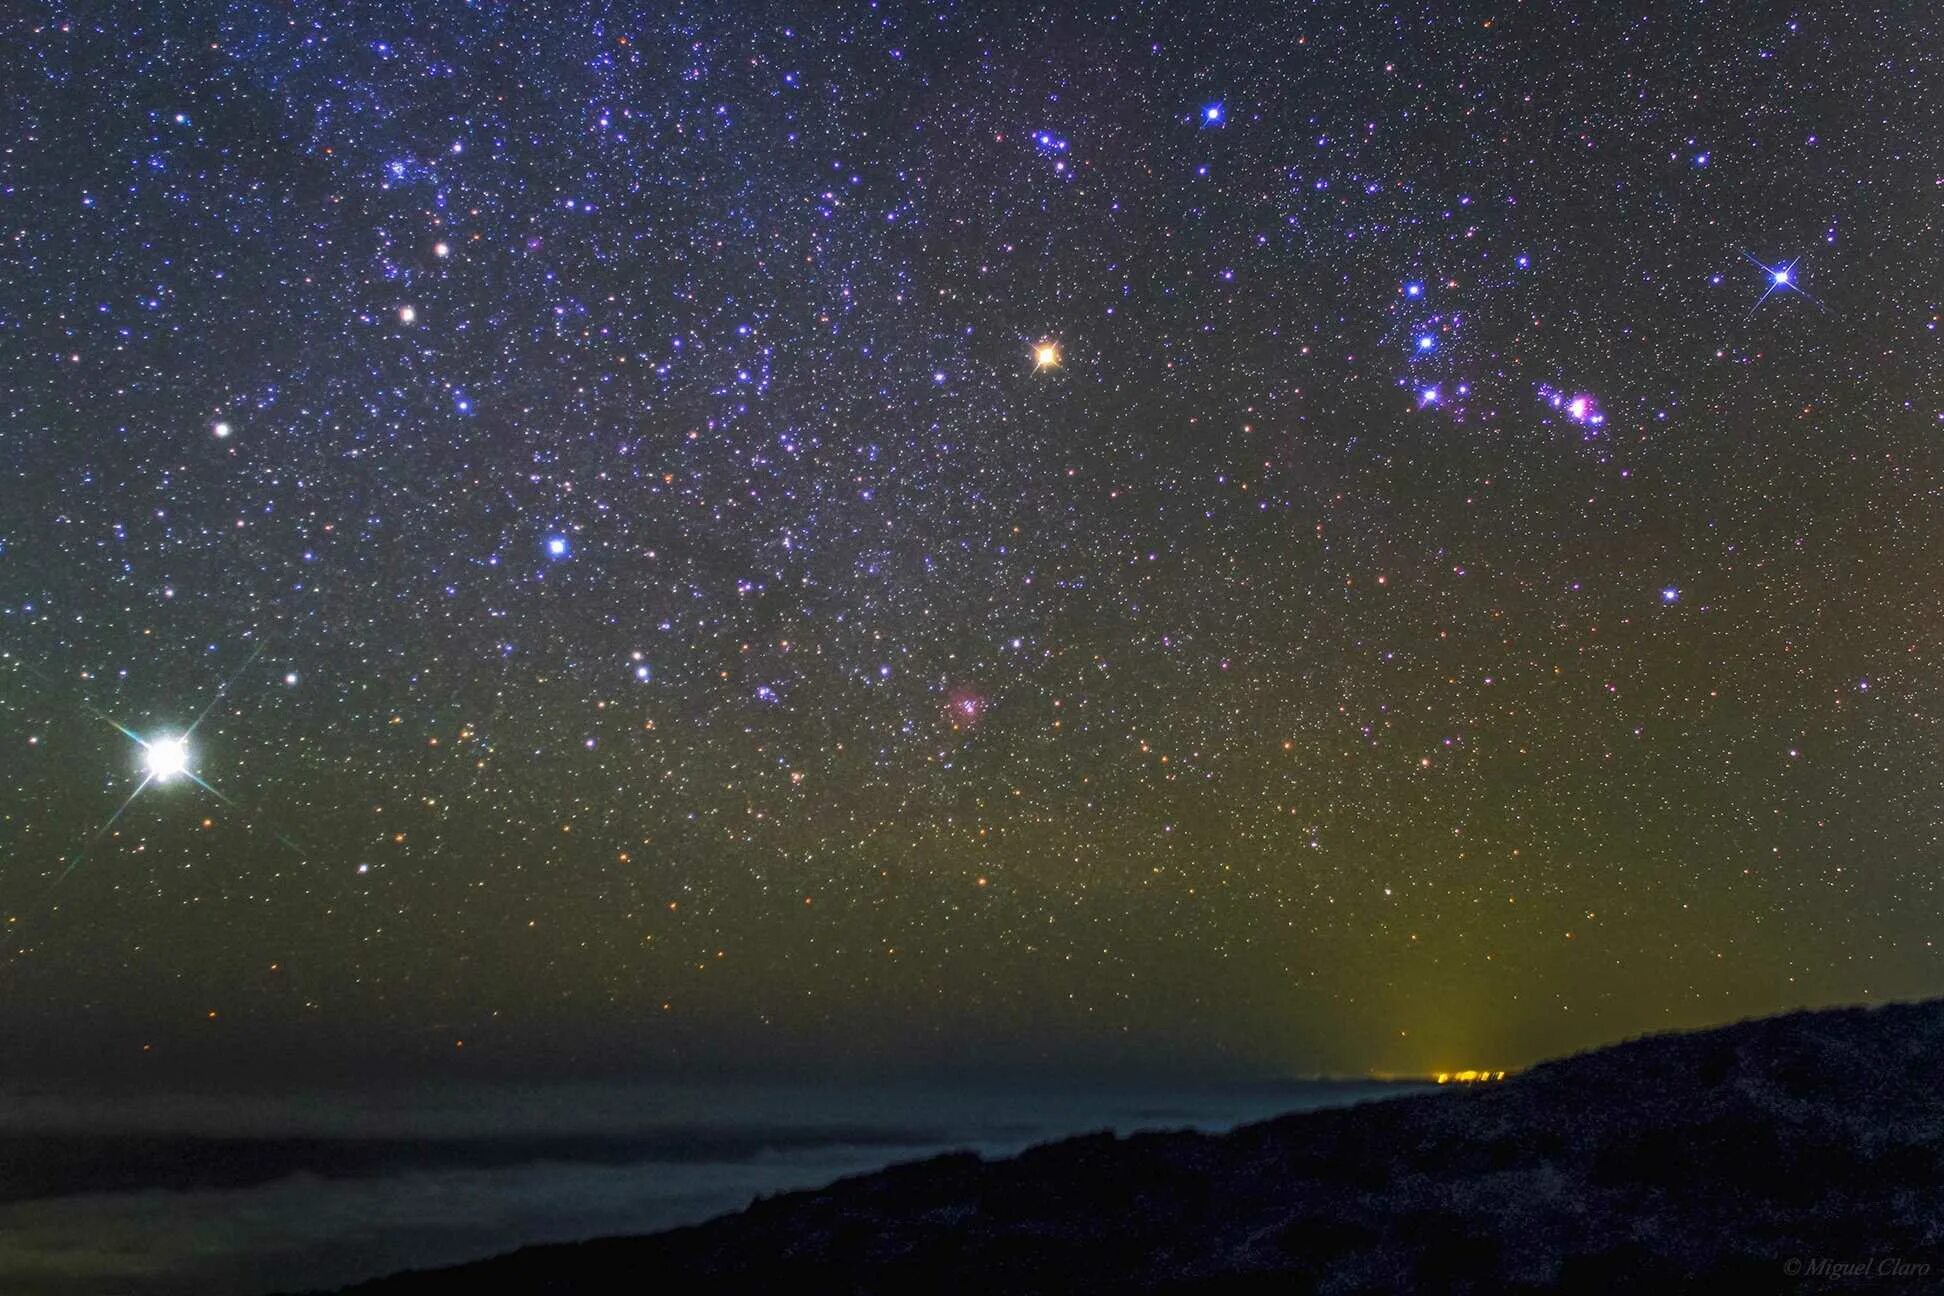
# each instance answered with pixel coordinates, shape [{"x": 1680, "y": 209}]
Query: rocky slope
[{"x": 1771, "y": 1155}]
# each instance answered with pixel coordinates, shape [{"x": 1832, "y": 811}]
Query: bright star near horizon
[{"x": 164, "y": 758}]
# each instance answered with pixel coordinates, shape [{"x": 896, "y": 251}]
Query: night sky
[{"x": 1275, "y": 538}]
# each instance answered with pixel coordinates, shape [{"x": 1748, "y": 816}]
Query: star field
[{"x": 1306, "y": 537}]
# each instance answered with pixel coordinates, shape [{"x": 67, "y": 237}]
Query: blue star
[
  {"x": 1781, "y": 278},
  {"x": 1212, "y": 114},
  {"x": 558, "y": 547}
]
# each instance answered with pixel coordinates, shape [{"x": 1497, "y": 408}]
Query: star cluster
[{"x": 800, "y": 531}]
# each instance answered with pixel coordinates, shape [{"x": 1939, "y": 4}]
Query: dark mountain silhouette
[{"x": 1771, "y": 1155}]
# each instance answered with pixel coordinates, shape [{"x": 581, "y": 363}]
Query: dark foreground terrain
[{"x": 1797, "y": 1153}]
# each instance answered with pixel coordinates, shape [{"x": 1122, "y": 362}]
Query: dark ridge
[{"x": 1771, "y": 1155}]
